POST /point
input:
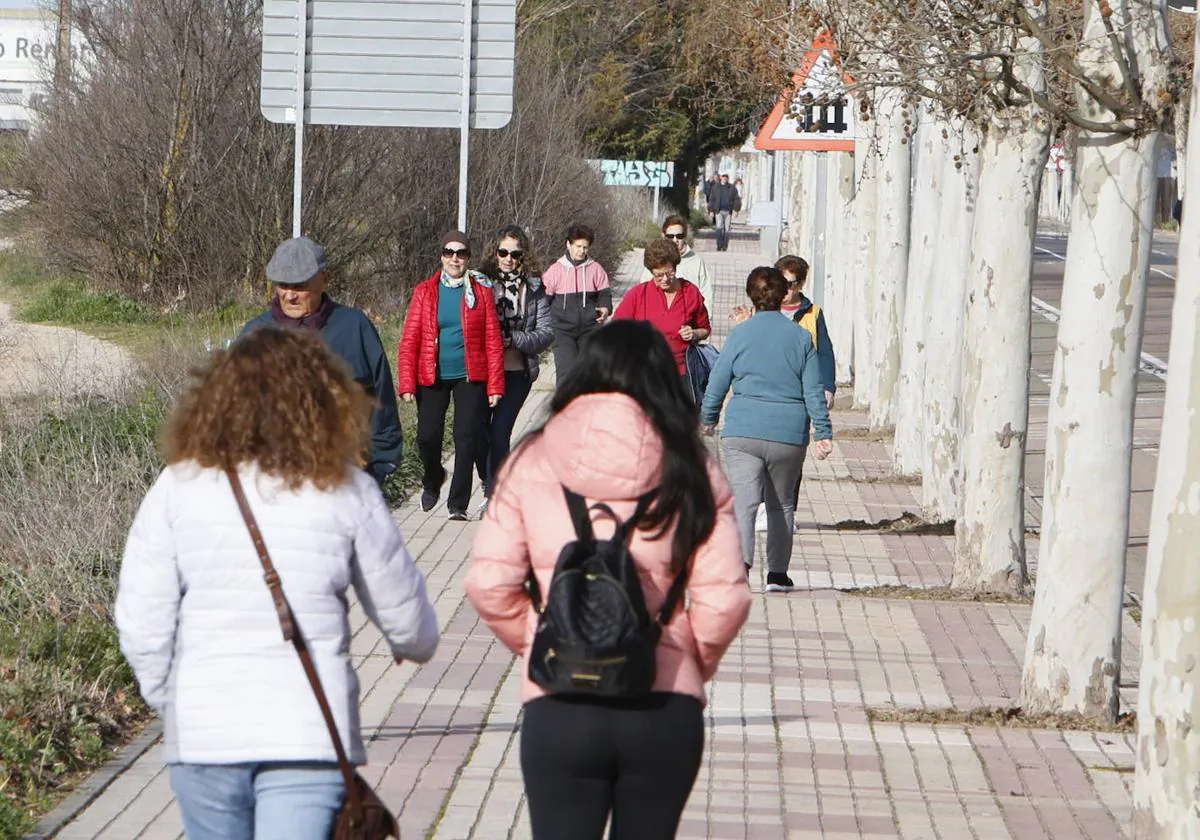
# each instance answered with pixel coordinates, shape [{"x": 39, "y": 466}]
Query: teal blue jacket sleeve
[
  {"x": 718, "y": 383},
  {"x": 825, "y": 355},
  {"x": 814, "y": 394}
]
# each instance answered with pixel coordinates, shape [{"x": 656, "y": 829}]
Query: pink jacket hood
[{"x": 603, "y": 446}]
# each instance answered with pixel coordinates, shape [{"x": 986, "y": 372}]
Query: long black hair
[{"x": 633, "y": 358}]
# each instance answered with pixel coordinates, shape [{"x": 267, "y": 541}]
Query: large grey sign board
[{"x": 390, "y": 62}]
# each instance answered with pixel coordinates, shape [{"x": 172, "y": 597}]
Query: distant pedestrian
[
  {"x": 669, "y": 302},
  {"x": 300, "y": 277},
  {"x": 250, "y": 755},
  {"x": 740, "y": 186},
  {"x": 451, "y": 348},
  {"x": 775, "y": 375},
  {"x": 723, "y": 201},
  {"x": 526, "y": 328},
  {"x": 691, "y": 264},
  {"x": 580, "y": 297},
  {"x": 620, "y": 430}
]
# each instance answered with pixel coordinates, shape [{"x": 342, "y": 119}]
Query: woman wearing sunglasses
[
  {"x": 691, "y": 264},
  {"x": 527, "y": 330},
  {"x": 451, "y": 349}
]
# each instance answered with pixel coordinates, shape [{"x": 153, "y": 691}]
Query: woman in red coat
[
  {"x": 451, "y": 348},
  {"x": 671, "y": 303}
]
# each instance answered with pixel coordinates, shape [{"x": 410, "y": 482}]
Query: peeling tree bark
[
  {"x": 839, "y": 262},
  {"x": 1073, "y": 655},
  {"x": 908, "y": 449},
  {"x": 941, "y": 496},
  {"x": 1166, "y": 789},
  {"x": 989, "y": 551},
  {"x": 891, "y": 255},
  {"x": 866, "y": 167}
]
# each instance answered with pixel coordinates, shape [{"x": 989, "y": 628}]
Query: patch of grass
[
  {"x": 1008, "y": 717},
  {"x": 905, "y": 523},
  {"x": 864, "y": 434},
  {"x": 68, "y": 701},
  {"x": 937, "y": 593},
  {"x": 69, "y": 302}
]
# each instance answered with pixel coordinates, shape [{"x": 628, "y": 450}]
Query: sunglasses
[
  {"x": 461, "y": 253},
  {"x": 504, "y": 252},
  {"x": 675, "y": 235}
]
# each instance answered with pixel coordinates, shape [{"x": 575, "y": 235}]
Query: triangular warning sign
[{"x": 818, "y": 116}]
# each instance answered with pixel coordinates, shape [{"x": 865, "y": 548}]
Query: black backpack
[{"x": 594, "y": 636}]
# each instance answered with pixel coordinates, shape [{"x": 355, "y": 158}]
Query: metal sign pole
[
  {"x": 301, "y": 67},
  {"x": 464, "y": 142}
]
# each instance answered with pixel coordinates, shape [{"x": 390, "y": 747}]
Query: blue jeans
[{"x": 284, "y": 801}]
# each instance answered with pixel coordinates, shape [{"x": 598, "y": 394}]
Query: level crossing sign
[{"x": 817, "y": 115}]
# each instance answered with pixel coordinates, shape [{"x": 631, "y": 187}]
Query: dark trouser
[
  {"x": 583, "y": 759},
  {"x": 470, "y": 400},
  {"x": 799, "y": 480},
  {"x": 566, "y": 349},
  {"x": 495, "y": 430},
  {"x": 722, "y": 225}
]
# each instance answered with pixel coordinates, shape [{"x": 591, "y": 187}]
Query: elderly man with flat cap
[{"x": 298, "y": 272}]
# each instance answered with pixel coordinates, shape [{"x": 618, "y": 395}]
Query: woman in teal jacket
[{"x": 775, "y": 374}]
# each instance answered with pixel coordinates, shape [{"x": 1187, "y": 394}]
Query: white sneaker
[
  {"x": 482, "y": 508},
  {"x": 760, "y": 519}
]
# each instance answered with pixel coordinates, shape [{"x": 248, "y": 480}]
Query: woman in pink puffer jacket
[{"x": 621, "y": 425}]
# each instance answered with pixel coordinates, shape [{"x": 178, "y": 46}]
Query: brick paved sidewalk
[{"x": 791, "y": 752}]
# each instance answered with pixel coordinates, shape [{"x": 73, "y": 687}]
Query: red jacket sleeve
[
  {"x": 700, "y": 320},
  {"x": 493, "y": 342},
  {"x": 410, "y": 343}
]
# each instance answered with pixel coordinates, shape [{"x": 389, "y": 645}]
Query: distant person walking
[
  {"x": 526, "y": 329},
  {"x": 620, "y": 430},
  {"x": 451, "y": 348},
  {"x": 669, "y": 302},
  {"x": 691, "y": 264},
  {"x": 723, "y": 201},
  {"x": 298, "y": 271},
  {"x": 775, "y": 376},
  {"x": 249, "y": 753},
  {"x": 580, "y": 297}
]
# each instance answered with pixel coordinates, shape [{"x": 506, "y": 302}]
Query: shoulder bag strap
[{"x": 287, "y": 621}]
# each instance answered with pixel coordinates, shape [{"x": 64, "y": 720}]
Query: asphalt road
[{"x": 1047, "y": 292}]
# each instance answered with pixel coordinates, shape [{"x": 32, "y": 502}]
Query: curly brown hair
[
  {"x": 280, "y": 398},
  {"x": 661, "y": 253}
]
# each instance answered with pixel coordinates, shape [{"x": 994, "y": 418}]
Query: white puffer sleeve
[
  {"x": 149, "y": 593},
  {"x": 389, "y": 585}
]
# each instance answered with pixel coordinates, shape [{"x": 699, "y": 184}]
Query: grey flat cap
[{"x": 296, "y": 261}]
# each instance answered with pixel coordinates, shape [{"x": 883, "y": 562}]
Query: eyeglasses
[
  {"x": 461, "y": 253},
  {"x": 663, "y": 274},
  {"x": 504, "y": 252},
  {"x": 675, "y": 235}
]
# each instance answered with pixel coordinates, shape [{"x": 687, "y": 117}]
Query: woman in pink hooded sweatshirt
[{"x": 621, "y": 426}]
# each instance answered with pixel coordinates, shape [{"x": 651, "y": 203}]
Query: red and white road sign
[{"x": 818, "y": 116}]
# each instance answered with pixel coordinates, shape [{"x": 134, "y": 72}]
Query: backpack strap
[{"x": 581, "y": 518}]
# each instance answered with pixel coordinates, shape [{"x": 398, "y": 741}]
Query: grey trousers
[{"x": 765, "y": 472}]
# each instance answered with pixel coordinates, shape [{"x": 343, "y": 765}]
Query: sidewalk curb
[{"x": 97, "y": 782}]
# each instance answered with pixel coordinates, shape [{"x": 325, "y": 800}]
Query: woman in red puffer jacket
[{"x": 451, "y": 348}]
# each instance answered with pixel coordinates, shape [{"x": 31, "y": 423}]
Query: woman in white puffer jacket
[{"x": 250, "y": 755}]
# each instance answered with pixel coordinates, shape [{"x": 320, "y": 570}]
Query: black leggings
[{"x": 584, "y": 759}]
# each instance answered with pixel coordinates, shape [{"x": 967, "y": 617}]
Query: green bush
[{"x": 69, "y": 302}]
